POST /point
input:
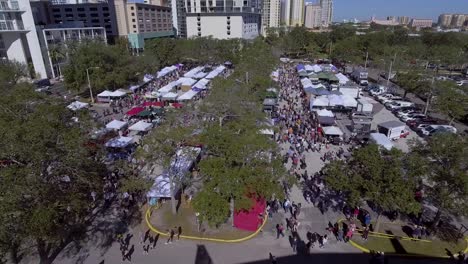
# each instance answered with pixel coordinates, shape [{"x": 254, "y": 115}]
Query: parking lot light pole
[{"x": 89, "y": 83}]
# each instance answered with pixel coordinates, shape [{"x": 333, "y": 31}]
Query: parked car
[
  {"x": 413, "y": 116},
  {"x": 398, "y": 104},
  {"x": 405, "y": 112},
  {"x": 389, "y": 100},
  {"x": 380, "y": 97},
  {"x": 378, "y": 90},
  {"x": 412, "y": 108},
  {"x": 427, "y": 120},
  {"x": 432, "y": 129}
]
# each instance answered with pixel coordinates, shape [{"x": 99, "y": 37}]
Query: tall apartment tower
[
  {"x": 285, "y": 12},
  {"x": 313, "y": 15},
  {"x": 445, "y": 20},
  {"x": 18, "y": 37},
  {"x": 327, "y": 12},
  {"x": 297, "y": 13},
  {"x": 270, "y": 14},
  {"x": 179, "y": 18},
  {"x": 457, "y": 20},
  {"x": 404, "y": 20},
  {"x": 223, "y": 19}
]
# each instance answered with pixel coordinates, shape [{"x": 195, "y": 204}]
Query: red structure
[{"x": 252, "y": 219}]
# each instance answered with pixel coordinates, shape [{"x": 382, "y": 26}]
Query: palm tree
[{"x": 57, "y": 55}]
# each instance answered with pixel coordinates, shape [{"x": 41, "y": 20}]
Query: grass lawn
[
  {"x": 163, "y": 220},
  {"x": 435, "y": 248}
]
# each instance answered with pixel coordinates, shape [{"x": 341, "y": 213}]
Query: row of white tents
[{"x": 333, "y": 100}]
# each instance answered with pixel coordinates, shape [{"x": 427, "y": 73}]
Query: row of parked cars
[{"x": 408, "y": 113}]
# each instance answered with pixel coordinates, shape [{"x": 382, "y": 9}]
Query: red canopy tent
[
  {"x": 250, "y": 220},
  {"x": 156, "y": 104},
  {"x": 135, "y": 111},
  {"x": 177, "y": 105}
]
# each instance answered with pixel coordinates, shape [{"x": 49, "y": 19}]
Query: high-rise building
[
  {"x": 421, "y": 23},
  {"x": 285, "y": 12},
  {"x": 179, "y": 18},
  {"x": 327, "y": 12},
  {"x": 391, "y": 18},
  {"x": 270, "y": 14},
  {"x": 313, "y": 15},
  {"x": 297, "y": 13},
  {"x": 18, "y": 37},
  {"x": 457, "y": 20},
  {"x": 404, "y": 20},
  {"x": 445, "y": 20},
  {"x": 139, "y": 21},
  {"x": 223, "y": 19}
]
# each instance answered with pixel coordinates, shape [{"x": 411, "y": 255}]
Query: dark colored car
[{"x": 428, "y": 120}]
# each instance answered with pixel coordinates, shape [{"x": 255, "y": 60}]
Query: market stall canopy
[
  {"x": 140, "y": 126},
  {"x": 319, "y": 91},
  {"x": 119, "y": 142},
  {"x": 187, "y": 96},
  {"x": 381, "y": 140},
  {"x": 169, "y": 96},
  {"x": 200, "y": 75},
  {"x": 152, "y": 95},
  {"x": 161, "y": 187},
  {"x": 332, "y": 131},
  {"x": 168, "y": 87},
  {"x": 274, "y": 75},
  {"x": 214, "y": 73},
  {"x": 193, "y": 72},
  {"x": 148, "y": 78},
  {"x": 300, "y": 67},
  {"x": 166, "y": 70},
  {"x": 154, "y": 112},
  {"x": 349, "y": 101},
  {"x": 156, "y": 104},
  {"x": 267, "y": 131},
  {"x": 107, "y": 93},
  {"x": 187, "y": 81},
  {"x": 116, "y": 124},
  {"x": 77, "y": 105},
  {"x": 201, "y": 84},
  {"x": 324, "y": 112},
  {"x": 135, "y": 111},
  {"x": 342, "y": 78},
  {"x": 326, "y": 120},
  {"x": 335, "y": 100},
  {"x": 306, "y": 82},
  {"x": 320, "y": 101}
]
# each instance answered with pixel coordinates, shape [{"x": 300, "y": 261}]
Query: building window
[
  {"x": 56, "y": 10},
  {"x": 142, "y": 26},
  {"x": 94, "y": 15},
  {"x": 95, "y": 21},
  {"x": 68, "y": 10},
  {"x": 133, "y": 14},
  {"x": 80, "y": 9},
  {"x": 133, "y": 20},
  {"x": 139, "y": 8},
  {"x": 132, "y": 8},
  {"x": 69, "y": 15},
  {"x": 82, "y": 15},
  {"x": 106, "y": 15},
  {"x": 229, "y": 32},
  {"x": 134, "y": 31},
  {"x": 57, "y": 16},
  {"x": 199, "y": 34},
  {"x": 105, "y": 8},
  {"x": 93, "y": 9}
]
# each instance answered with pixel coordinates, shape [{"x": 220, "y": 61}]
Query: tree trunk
[
  {"x": 405, "y": 93},
  {"x": 451, "y": 121},
  {"x": 436, "y": 220},
  {"x": 232, "y": 211},
  {"x": 221, "y": 121},
  {"x": 15, "y": 257},
  {"x": 173, "y": 200},
  {"x": 377, "y": 222}
]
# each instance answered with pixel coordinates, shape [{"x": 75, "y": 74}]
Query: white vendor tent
[
  {"x": 77, "y": 105},
  {"x": 116, "y": 125},
  {"x": 381, "y": 140},
  {"x": 200, "y": 75},
  {"x": 194, "y": 71},
  {"x": 325, "y": 112},
  {"x": 186, "y": 81},
  {"x": 187, "y": 96},
  {"x": 166, "y": 70},
  {"x": 335, "y": 100},
  {"x": 332, "y": 131},
  {"x": 320, "y": 101},
  {"x": 215, "y": 72},
  {"x": 201, "y": 84},
  {"x": 316, "y": 68},
  {"x": 168, "y": 87},
  {"x": 349, "y": 101},
  {"x": 342, "y": 78},
  {"x": 119, "y": 142},
  {"x": 306, "y": 82},
  {"x": 140, "y": 126},
  {"x": 169, "y": 96},
  {"x": 106, "y": 96},
  {"x": 161, "y": 187}
]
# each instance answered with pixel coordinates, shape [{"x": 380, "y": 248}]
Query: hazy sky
[{"x": 364, "y": 9}]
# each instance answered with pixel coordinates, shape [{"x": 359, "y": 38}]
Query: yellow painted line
[
  {"x": 356, "y": 245},
  {"x": 147, "y": 216}
]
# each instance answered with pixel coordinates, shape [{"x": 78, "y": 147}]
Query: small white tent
[
  {"x": 140, "y": 126},
  {"x": 332, "y": 131},
  {"x": 116, "y": 124}
]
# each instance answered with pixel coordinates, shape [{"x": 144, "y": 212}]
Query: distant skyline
[{"x": 365, "y": 9}]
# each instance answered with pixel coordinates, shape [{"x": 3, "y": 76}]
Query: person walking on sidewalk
[
  {"x": 279, "y": 230},
  {"x": 171, "y": 237}
]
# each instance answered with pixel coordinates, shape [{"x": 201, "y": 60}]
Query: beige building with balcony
[{"x": 18, "y": 38}]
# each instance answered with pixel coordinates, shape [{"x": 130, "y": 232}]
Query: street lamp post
[{"x": 89, "y": 83}]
